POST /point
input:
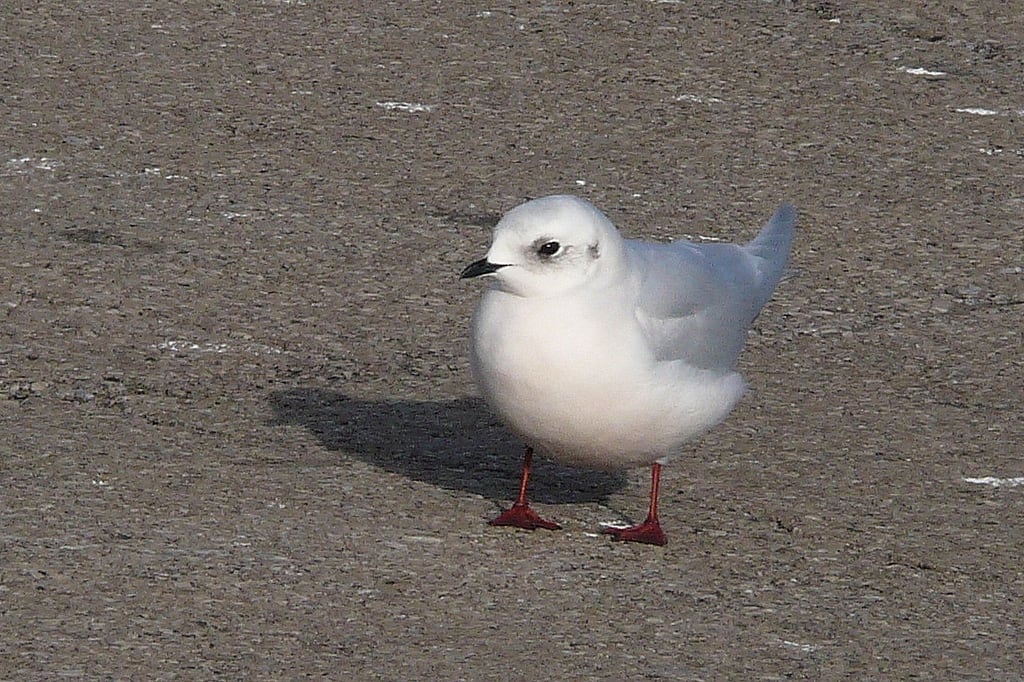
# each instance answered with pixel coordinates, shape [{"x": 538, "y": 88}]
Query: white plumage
[{"x": 608, "y": 352}]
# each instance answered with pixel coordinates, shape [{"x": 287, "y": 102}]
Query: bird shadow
[{"x": 454, "y": 444}]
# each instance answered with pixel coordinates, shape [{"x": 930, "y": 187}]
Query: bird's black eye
[{"x": 549, "y": 248}]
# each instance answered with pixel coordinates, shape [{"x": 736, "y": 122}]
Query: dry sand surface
[{"x": 240, "y": 438}]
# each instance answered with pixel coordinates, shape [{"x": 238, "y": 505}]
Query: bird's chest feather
[{"x": 553, "y": 356}]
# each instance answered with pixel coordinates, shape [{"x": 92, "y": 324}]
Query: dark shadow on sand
[{"x": 457, "y": 444}]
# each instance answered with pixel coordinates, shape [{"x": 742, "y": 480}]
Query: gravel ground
[{"x": 241, "y": 439}]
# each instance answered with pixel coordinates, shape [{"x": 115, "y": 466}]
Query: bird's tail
[{"x": 771, "y": 248}]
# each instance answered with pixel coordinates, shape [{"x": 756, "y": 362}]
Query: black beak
[{"x": 480, "y": 267}]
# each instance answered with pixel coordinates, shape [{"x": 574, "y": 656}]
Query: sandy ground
[{"x": 240, "y": 439}]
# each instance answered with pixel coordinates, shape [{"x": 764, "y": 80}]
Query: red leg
[
  {"x": 650, "y": 530},
  {"x": 521, "y": 515}
]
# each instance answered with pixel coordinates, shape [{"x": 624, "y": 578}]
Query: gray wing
[{"x": 696, "y": 301}]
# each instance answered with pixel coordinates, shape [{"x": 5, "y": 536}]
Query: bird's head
[{"x": 549, "y": 246}]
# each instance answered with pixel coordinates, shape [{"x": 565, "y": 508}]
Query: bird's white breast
[{"x": 579, "y": 381}]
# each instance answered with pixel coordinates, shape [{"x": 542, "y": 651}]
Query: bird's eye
[{"x": 549, "y": 248}]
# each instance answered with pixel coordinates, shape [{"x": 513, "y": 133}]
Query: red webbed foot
[
  {"x": 648, "y": 532},
  {"x": 522, "y": 516}
]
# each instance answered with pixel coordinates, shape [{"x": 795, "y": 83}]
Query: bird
[{"x": 611, "y": 353}]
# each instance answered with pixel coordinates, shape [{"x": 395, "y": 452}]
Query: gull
[{"x": 612, "y": 353}]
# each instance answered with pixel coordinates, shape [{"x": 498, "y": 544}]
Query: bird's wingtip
[{"x": 786, "y": 212}]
